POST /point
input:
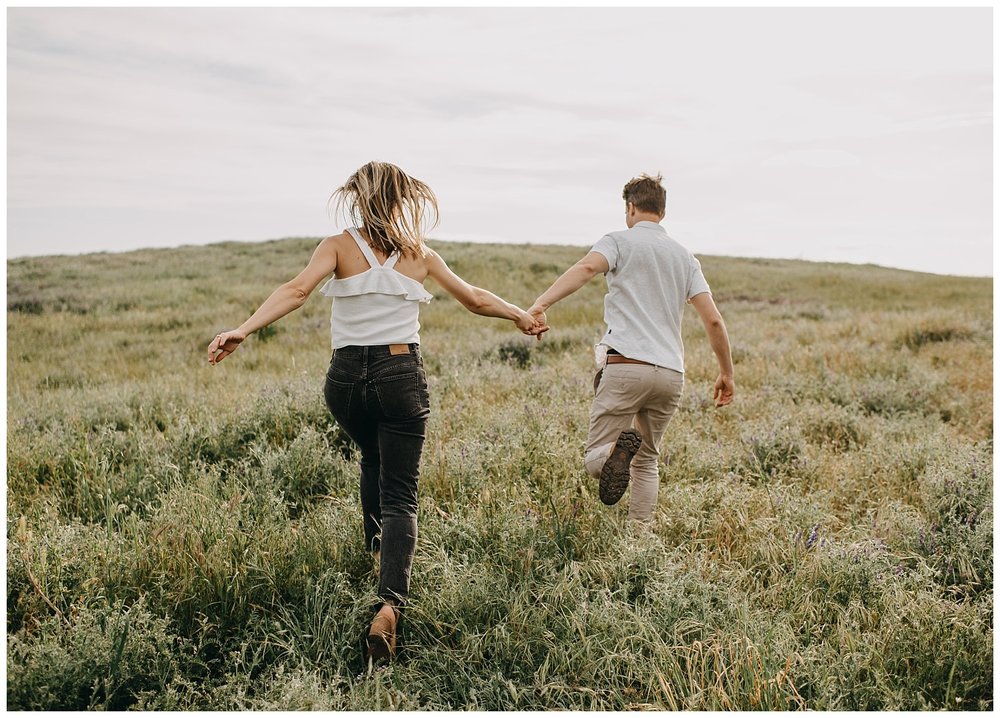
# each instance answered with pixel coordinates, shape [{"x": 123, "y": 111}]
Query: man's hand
[
  {"x": 570, "y": 280},
  {"x": 530, "y": 325},
  {"x": 541, "y": 324},
  {"x": 724, "y": 388},
  {"x": 718, "y": 337}
]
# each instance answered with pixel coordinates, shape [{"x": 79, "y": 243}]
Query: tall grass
[{"x": 185, "y": 537}]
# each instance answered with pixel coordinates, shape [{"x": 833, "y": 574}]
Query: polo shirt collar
[{"x": 651, "y": 225}]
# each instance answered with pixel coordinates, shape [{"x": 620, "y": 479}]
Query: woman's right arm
[
  {"x": 285, "y": 299},
  {"x": 477, "y": 300}
]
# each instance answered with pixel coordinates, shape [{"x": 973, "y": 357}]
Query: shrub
[
  {"x": 104, "y": 656},
  {"x": 931, "y": 647},
  {"x": 49, "y": 568},
  {"x": 917, "y": 337},
  {"x": 26, "y": 306},
  {"x": 957, "y": 537},
  {"x": 836, "y": 428},
  {"x": 306, "y": 469},
  {"x": 773, "y": 453},
  {"x": 517, "y": 353},
  {"x": 266, "y": 333},
  {"x": 274, "y": 420}
]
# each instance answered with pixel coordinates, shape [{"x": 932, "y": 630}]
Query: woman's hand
[
  {"x": 287, "y": 298},
  {"x": 530, "y": 325},
  {"x": 541, "y": 323},
  {"x": 224, "y": 344}
]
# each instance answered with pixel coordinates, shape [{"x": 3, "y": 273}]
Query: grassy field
[{"x": 188, "y": 537}]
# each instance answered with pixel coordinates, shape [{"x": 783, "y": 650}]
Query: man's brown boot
[{"x": 615, "y": 474}]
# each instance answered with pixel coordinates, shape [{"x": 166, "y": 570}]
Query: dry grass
[{"x": 181, "y": 537}]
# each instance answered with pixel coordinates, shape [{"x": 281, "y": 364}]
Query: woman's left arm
[
  {"x": 285, "y": 299},
  {"x": 476, "y": 300}
]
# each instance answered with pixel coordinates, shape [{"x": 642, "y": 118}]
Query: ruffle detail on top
[{"x": 377, "y": 281}]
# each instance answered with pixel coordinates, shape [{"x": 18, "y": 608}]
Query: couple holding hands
[{"x": 376, "y": 388}]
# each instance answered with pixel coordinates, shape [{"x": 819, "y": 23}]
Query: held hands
[
  {"x": 538, "y": 314},
  {"x": 224, "y": 344},
  {"x": 531, "y": 325}
]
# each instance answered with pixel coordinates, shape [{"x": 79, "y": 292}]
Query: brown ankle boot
[
  {"x": 382, "y": 634},
  {"x": 616, "y": 472}
]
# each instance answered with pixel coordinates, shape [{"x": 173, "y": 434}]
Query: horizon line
[{"x": 491, "y": 243}]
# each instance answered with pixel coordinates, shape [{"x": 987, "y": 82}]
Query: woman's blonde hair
[{"x": 395, "y": 209}]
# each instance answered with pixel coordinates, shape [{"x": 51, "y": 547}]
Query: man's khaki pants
[{"x": 639, "y": 396}]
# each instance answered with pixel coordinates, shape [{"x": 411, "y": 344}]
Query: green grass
[{"x": 187, "y": 537}]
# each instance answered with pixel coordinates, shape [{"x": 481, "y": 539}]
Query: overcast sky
[{"x": 845, "y": 134}]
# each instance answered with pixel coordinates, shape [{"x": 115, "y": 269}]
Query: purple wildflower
[{"x": 813, "y": 535}]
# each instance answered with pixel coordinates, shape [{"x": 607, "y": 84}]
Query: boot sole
[{"x": 615, "y": 474}]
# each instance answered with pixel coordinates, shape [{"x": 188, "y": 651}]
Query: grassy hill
[{"x": 187, "y": 537}]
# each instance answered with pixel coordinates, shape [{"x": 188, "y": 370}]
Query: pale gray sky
[{"x": 858, "y": 135}]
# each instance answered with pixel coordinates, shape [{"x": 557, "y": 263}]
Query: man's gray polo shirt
[{"x": 651, "y": 278}]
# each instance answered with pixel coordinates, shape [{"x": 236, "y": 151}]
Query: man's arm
[
  {"x": 704, "y": 304},
  {"x": 571, "y": 280}
]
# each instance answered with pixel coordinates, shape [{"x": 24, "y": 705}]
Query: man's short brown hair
[{"x": 646, "y": 193}]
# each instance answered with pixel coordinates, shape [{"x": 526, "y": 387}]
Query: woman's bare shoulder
[
  {"x": 342, "y": 237},
  {"x": 431, "y": 258},
  {"x": 336, "y": 241}
]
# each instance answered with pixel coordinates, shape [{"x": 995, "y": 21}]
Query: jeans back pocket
[
  {"x": 402, "y": 396},
  {"x": 338, "y": 396}
]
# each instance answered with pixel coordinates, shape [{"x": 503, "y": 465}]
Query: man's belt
[{"x": 619, "y": 359}]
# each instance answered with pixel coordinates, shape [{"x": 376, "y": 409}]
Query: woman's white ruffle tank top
[{"x": 378, "y": 306}]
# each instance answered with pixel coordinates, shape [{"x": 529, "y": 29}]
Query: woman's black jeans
[{"x": 381, "y": 401}]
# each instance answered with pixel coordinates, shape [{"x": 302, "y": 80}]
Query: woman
[{"x": 375, "y": 386}]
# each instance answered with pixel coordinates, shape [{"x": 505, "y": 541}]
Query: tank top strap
[
  {"x": 391, "y": 261},
  {"x": 365, "y": 248}
]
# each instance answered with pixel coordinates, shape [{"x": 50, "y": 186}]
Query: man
[{"x": 650, "y": 278}]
